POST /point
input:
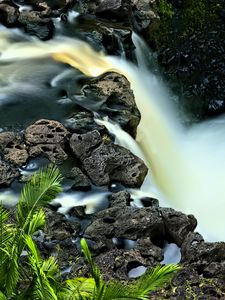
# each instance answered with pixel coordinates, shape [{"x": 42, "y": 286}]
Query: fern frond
[{"x": 43, "y": 187}]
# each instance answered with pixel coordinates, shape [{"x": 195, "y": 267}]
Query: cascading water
[{"x": 187, "y": 165}]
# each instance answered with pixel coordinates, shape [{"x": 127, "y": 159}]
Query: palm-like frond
[
  {"x": 9, "y": 269},
  {"x": 95, "y": 272},
  {"x": 78, "y": 289},
  {"x": 154, "y": 279},
  {"x": 2, "y": 296},
  {"x": 37, "y": 221},
  {"x": 4, "y": 215},
  {"x": 43, "y": 187},
  {"x": 43, "y": 271}
]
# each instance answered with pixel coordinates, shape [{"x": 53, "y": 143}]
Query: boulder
[{"x": 104, "y": 161}]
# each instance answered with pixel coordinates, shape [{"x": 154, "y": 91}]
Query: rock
[
  {"x": 177, "y": 224},
  {"x": 7, "y": 173},
  {"x": 47, "y": 138},
  {"x": 13, "y": 148},
  {"x": 144, "y": 15},
  {"x": 128, "y": 223},
  {"x": 52, "y": 152},
  {"x": 116, "y": 263},
  {"x": 105, "y": 161},
  {"x": 207, "y": 258},
  {"x": 83, "y": 144},
  {"x": 120, "y": 199},
  {"x": 82, "y": 122},
  {"x": 33, "y": 24},
  {"x": 117, "y": 100},
  {"x": 81, "y": 181},
  {"x": 46, "y": 132},
  {"x": 8, "y": 15},
  {"x": 77, "y": 212}
]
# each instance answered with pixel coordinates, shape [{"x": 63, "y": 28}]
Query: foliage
[{"x": 38, "y": 278}]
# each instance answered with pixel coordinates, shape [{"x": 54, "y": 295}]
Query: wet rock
[
  {"x": 81, "y": 181},
  {"x": 117, "y": 100},
  {"x": 7, "y": 173},
  {"x": 150, "y": 251},
  {"x": 13, "y": 148},
  {"x": 77, "y": 211},
  {"x": 46, "y": 132},
  {"x": 33, "y": 24},
  {"x": 105, "y": 161},
  {"x": 120, "y": 199},
  {"x": 8, "y": 15},
  {"x": 82, "y": 122},
  {"x": 177, "y": 224}
]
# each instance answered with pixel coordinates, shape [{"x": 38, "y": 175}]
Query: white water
[{"x": 187, "y": 165}]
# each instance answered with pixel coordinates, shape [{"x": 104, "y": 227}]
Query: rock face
[{"x": 105, "y": 161}]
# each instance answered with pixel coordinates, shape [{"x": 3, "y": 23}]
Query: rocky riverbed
[{"x": 122, "y": 237}]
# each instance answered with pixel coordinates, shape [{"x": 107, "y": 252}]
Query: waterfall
[{"x": 187, "y": 165}]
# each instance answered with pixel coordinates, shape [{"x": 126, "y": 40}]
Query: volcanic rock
[
  {"x": 13, "y": 148},
  {"x": 105, "y": 161},
  {"x": 7, "y": 173}
]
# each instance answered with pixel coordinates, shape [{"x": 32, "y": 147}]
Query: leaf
[
  {"x": 94, "y": 269},
  {"x": 2, "y": 296},
  {"x": 154, "y": 279},
  {"x": 43, "y": 187},
  {"x": 37, "y": 222},
  {"x": 78, "y": 289}
]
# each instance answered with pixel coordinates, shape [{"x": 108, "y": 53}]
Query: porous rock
[
  {"x": 13, "y": 148},
  {"x": 7, "y": 173},
  {"x": 81, "y": 181},
  {"x": 47, "y": 138},
  {"x": 177, "y": 224},
  {"x": 105, "y": 161},
  {"x": 8, "y": 14}
]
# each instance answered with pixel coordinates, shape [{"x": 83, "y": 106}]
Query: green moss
[{"x": 178, "y": 24}]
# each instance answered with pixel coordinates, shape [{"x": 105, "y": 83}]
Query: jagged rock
[
  {"x": 105, "y": 161},
  {"x": 13, "y": 148},
  {"x": 81, "y": 181},
  {"x": 117, "y": 100},
  {"x": 46, "y": 132},
  {"x": 120, "y": 199},
  {"x": 177, "y": 224},
  {"x": 8, "y": 15},
  {"x": 208, "y": 258},
  {"x": 7, "y": 173}
]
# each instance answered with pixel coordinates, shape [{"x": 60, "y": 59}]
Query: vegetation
[
  {"x": 178, "y": 24},
  {"x": 36, "y": 278}
]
